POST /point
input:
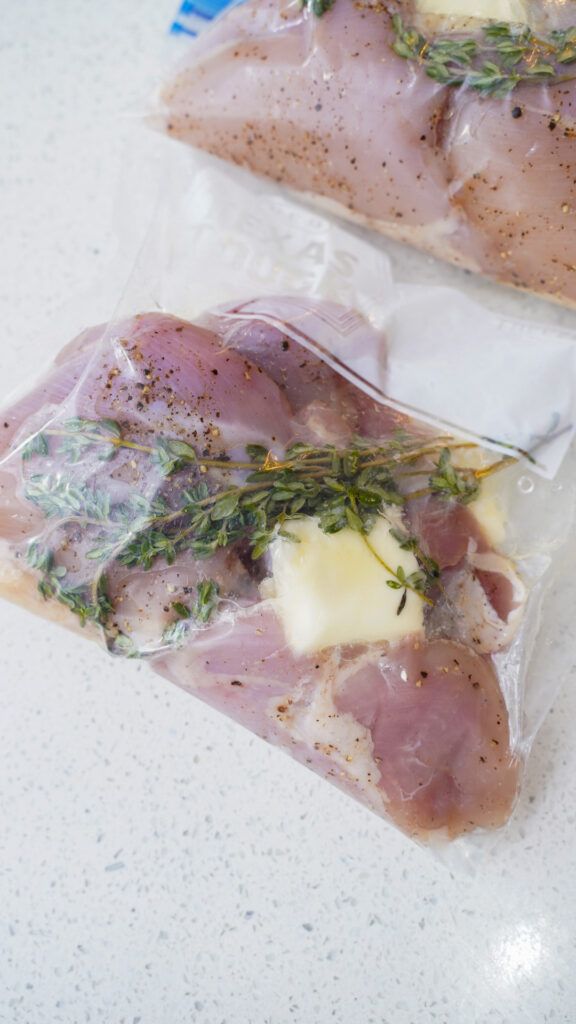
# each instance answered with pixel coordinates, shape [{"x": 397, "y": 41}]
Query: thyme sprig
[
  {"x": 78, "y": 598},
  {"x": 200, "y": 507},
  {"x": 500, "y": 58},
  {"x": 418, "y": 582},
  {"x": 93, "y": 604},
  {"x": 449, "y": 482}
]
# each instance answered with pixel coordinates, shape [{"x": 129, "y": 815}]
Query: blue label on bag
[{"x": 194, "y": 15}]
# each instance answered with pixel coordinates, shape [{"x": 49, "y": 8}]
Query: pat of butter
[
  {"x": 488, "y": 508},
  {"x": 490, "y": 513},
  {"x": 486, "y": 10},
  {"x": 331, "y": 589}
]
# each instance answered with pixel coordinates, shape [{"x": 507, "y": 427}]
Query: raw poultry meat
[
  {"x": 186, "y": 490},
  {"x": 453, "y": 134}
]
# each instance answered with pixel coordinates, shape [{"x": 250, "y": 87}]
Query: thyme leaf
[
  {"x": 171, "y": 455},
  {"x": 206, "y": 600},
  {"x": 37, "y": 445},
  {"x": 123, "y": 645},
  {"x": 175, "y": 633},
  {"x": 318, "y": 7},
  {"x": 182, "y": 610}
]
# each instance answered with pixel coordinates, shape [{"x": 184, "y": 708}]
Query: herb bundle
[
  {"x": 206, "y": 504},
  {"x": 493, "y": 63}
]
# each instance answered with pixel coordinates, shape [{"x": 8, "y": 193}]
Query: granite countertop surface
[{"x": 158, "y": 864}]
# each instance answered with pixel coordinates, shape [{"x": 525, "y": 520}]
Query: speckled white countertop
[{"x": 159, "y": 865}]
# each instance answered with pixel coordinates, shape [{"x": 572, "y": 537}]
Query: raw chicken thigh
[
  {"x": 455, "y": 134},
  {"x": 214, "y": 497}
]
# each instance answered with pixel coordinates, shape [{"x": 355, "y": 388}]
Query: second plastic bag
[
  {"x": 452, "y": 132},
  {"x": 250, "y": 500}
]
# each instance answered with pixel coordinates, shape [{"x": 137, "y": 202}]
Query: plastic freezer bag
[
  {"x": 311, "y": 508},
  {"x": 431, "y": 121},
  {"x": 336, "y": 576}
]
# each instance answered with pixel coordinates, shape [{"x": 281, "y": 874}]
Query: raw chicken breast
[
  {"x": 167, "y": 487},
  {"x": 480, "y": 177},
  {"x": 439, "y": 728},
  {"x": 418, "y": 732}
]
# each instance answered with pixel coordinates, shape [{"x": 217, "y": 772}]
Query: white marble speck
[{"x": 158, "y": 865}]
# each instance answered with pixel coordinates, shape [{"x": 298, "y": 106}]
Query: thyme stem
[
  {"x": 117, "y": 442},
  {"x": 402, "y": 581},
  {"x": 495, "y": 467}
]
